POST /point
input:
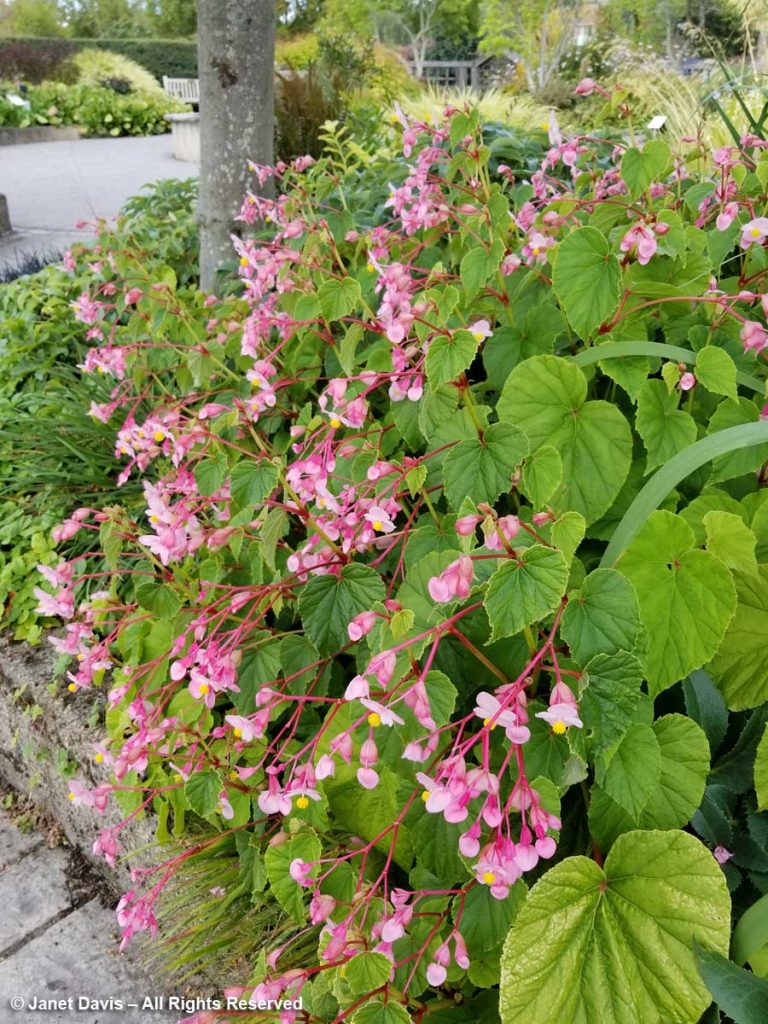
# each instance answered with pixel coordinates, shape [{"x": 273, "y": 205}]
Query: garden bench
[
  {"x": 185, "y": 128},
  {"x": 185, "y": 89}
]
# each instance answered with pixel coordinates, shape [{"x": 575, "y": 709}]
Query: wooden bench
[{"x": 185, "y": 89}]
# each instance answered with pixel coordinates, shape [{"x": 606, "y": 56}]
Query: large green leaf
[
  {"x": 448, "y": 355},
  {"x": 684, "y": 766},
  {"x": 602, "y": 617},
  {"x": 664, "y": 428},
  {"x": 586, "y": 279},
  {"x": 639, "y": 168},
  {"x": 526, "y": 589},
  {"x": 482, "y": 466},
  {"x": 729, "y": 537},
  {"x": 613, "y": 945},
  {"x": 740, "y": 667},
  {"x": 546, "y": 397},
  {"x": 686, "y": 596},
  {"x": 329, "y": 603},
  {"x": 716, "y": 371},
  {"x": 630, "y": 770},
  {"x": 612, "y": 696}
]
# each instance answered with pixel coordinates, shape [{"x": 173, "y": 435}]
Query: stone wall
[{"x": 48, "y": 735}]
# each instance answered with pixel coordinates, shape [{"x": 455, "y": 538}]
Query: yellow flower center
[
  {"x": 487, "y": 723},
  {"x": 488, "y": 877},
  {"x": 233, "y": 775},
  {"x": 159, "y": 436},
  {"x": 335, "y": 422},
  {"x": 374, "y": 720},
  {"x": 71, "y": 796},
  {"x": 243, "y": 261},
  {"x": 302, "y": 803},
  {"x": 238, "y": 733},
  {"x": 204, "y": 688},
  {"x": 536, "y": 251},
  {"x": 425, "y": 795},
  {"x": 755, "y": 232},
  {"x": 370, "y": 268},
  {"x": 98, "y": 758},
  {"x": 559, "y": 727},
  {"x": 478, "y": 335},
  {"x": 177, "y": 777},
  {"x": 377, "y": 524},
  {"x": 154, "y": 519},
  {"x": 72, "y": 688}
]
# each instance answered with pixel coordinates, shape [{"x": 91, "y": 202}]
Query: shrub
[
  {"x": 30, "y": 60},
  {"x": 99, "y": 67},
  {"x": 96, "y": 109},
  {"x": 173, "y": 57},
  {"x": 451, "y": 579}
]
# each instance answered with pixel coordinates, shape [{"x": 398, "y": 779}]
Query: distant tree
[
  {"x": 95, "y": 19},
  {"x": 170, "y": 18},
  {"x": 296, "y": 16},
  {"x": 411, "y": 23},
  {"x": 536, "y": 32},
  {"x": 31, "y": 18}
]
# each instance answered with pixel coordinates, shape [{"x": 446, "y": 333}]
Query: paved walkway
[
  {"x": 59, "y": 961},
  {"x": 50, "y": 186}
]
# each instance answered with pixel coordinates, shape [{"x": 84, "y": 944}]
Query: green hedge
[{"x": 174, "y": 57}]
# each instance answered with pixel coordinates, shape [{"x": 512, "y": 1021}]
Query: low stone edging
[
  {"x": 44, "y": 732},
  {"x": 38, "y": 133}
]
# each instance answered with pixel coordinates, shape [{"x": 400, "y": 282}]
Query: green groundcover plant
[
  {"x": 96, "y": 109},
  {"x": 45, "y": 474},
  {"x": 446, "y": 611}
]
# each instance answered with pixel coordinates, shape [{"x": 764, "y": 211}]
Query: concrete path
[
  {"x": 50, "y": 186},
  {"x": 59, "y": 959}
]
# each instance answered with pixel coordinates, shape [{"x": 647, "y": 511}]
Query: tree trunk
[{"x": 236, "y": 44}]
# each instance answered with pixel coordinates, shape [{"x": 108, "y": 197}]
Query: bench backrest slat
[{"x": 185, "y": 89}]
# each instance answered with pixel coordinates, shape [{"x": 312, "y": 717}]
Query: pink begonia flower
[
  {"x": 507, "y": 527},
  {"x": 243, "y": 728},
  {"x": 510, "y": 264},
  {"x": 107, "y": 846},
  {"x": 754, "y": 336},
  {"x": 754, "y": 232},
  {"x": 368, "y": 778},
  {"x": 487, "y": 708},
  {"x": 721, "y": 854},
  {"x": 321, "y": 907},
  {"x": 379, "y": 519},
  {"x": 466, "y": 525},
  {"x": 585, "y": 87},
  {"x": 300, "y": 870},
  {"x": 687, "y": 381},
  {"x": 536, "y": 247},
  {"x": 225, "y": 808},
  {"x": 480, "y": 330},
  {"x": 455, "y": 581},
  {"x": 361, "y": 626},
  {"x": 274, "y": 800},
  {"x": 385, "y": 715},
  {"x": 726, "y": 216},
  {"x": 61, "y": 605},
  {"x": 563, "y": 711},
  {"x": 642, "y": 239}
]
